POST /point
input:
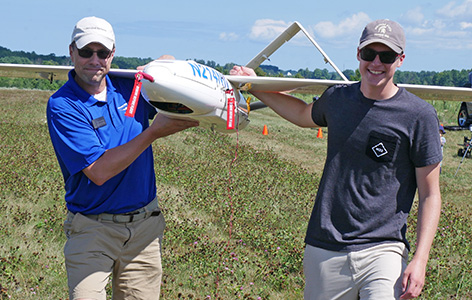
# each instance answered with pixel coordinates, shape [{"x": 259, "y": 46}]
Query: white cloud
[
  {"x": 229, "y": 36},
  {"x": 420, "y": 31},
  {"x": 351, "y": 25},
  {"x": 451, "y": 10},
  {"x": 465, "y": 25},
  {"x": 438, "y": 34},
  {"x": 413, "y": 16},
  {"x": 450, "y": 28},
  {"x": 266, "y": 29},
  {"x": 439, "y": 29},
  {"x": 439, "y": 25}
]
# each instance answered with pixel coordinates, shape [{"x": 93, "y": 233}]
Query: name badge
[{"x": 99, "y": 122}]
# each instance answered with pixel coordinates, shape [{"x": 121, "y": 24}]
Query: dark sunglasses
[
  {"x": 386, "y": 57},
  {"x": 87, "y": 53}
]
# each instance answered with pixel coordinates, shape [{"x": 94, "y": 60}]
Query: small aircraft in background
[{"x": 187, "y": 89}]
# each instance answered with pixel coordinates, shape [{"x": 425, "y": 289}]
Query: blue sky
[{"x": 439, "y": 32}]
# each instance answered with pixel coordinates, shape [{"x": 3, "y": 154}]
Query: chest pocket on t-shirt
[{"x": 381, "y": 147}]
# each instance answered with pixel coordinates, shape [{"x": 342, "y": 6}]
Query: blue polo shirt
[{"x": 82, "y": 129}]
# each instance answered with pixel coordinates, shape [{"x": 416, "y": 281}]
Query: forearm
[
  {"x": 115, "y": 160},
  {"x": 288, "y": 107},
  {"x": 429, "y": 211},
  {"x": 414, "y": 276}
]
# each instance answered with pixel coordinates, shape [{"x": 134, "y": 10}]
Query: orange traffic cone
[
  {"x": 265, "y": 131},
  {"x": 320, "y": 133}
]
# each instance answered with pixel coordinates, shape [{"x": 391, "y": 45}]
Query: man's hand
[
  {"x": 413, "y": 279},
  {"x": 242, "y": 71},
  {"x": 163, "y": 125}
]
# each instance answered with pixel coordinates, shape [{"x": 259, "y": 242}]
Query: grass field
[{"x": 236, "y": 208}]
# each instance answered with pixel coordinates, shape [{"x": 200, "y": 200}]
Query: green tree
[
  {"x": 15, "y": 60},
  {"x": 356, "y": 76}
]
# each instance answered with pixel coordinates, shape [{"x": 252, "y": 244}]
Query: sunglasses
[
  {"x": 386, "y": 57},
  {"x": 87, "y": 53}
]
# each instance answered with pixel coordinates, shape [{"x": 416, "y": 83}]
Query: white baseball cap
[{"x": 93, "y": 30}]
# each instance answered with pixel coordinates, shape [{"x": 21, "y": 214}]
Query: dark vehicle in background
[{"x": 464, "y": 117}]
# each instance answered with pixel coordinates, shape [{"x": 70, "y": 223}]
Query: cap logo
[
  {"x": 94, "y": 28},
  {"x": 383, "y": 30}
]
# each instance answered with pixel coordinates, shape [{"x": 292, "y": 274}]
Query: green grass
[{"x": 235, "y": 230}]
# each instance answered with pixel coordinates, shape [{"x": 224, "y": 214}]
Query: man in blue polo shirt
[{"x": 114, "y": 225}]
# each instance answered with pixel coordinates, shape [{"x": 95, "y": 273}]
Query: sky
[{"x": 438, "y": 33}]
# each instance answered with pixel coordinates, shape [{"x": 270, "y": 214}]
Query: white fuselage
[{"x": 187, "y": 89}]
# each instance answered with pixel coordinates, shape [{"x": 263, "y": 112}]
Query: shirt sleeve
[
  {"x": 426, "y": 141},
  {"x": 319, "y": 108}
]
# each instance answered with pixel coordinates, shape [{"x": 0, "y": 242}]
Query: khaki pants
[
  {"x": 130, "y": 251},
  {"x": 373, "y": 273}
]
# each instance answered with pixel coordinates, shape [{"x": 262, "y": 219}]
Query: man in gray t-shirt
[
  {"x": 383, "y": 146},
  {"x": 369, "y": 181}
]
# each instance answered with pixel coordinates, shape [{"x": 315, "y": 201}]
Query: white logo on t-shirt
[{"x": 379, "y": 150}]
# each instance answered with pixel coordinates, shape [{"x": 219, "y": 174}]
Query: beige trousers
[
  {"x": 373, "y": 273},
  {"x": 130, "y": 252}
]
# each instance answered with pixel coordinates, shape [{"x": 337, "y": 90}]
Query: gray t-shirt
[{"x": 369, "y": 183}]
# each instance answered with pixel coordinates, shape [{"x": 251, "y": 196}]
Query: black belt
[
  {"x": 124, "y": 218},
  {"x": 150, "y": 210}
]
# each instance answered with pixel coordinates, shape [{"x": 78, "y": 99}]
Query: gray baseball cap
[{"x": 385, "y": 31}]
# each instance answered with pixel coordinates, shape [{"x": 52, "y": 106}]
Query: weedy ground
[{"x": 236, "y": 207}]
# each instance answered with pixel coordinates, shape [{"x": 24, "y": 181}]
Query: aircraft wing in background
[
  {"x": 283, "y": 84},
  {"x": 35, "y": 71},
  {"x": 267, "y": 84},
  {"x": 49, "y": 72},
  {"x": 317, "y": 86}
]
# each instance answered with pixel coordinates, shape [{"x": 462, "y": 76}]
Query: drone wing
[
  {"x": 49, "y": 72},
  {"x": 317, "y": 86}
]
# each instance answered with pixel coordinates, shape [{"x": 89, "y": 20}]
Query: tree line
[{"x": 444, "y": 78}]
